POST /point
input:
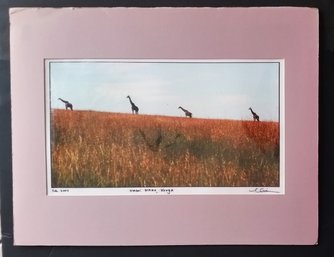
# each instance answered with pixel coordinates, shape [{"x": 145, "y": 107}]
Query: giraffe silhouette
[
  {"x": 134, "y": 108},
  {"x": 255, "y": 116},
  {"x": 186, "y": 112},
  {"x": 68, "y": 105}
]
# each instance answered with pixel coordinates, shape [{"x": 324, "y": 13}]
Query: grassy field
[{"x": 96, "y": 149}]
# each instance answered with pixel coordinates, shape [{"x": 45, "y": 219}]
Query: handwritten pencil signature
[{"x": 262, "y": 190}]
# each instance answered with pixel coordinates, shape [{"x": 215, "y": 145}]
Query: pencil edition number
[{"x": 60, "y": 190}]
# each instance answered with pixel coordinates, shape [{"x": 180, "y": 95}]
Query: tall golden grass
[{"x": 96, "y": 149}]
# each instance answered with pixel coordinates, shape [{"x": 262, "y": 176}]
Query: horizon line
[{"x": 159, "y": 115}]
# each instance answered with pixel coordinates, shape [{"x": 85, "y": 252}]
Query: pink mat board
[{"x": 290, "y": 34}]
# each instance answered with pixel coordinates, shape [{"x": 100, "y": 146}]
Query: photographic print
[{"x": 157, "y": 126}]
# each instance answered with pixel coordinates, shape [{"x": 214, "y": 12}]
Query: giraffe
[
  {"x": 134, "y": 108},
  {"x": 68, "y": 105},
  {"x": 255, "y": 116},
  {"x": 186, "y": 112}
]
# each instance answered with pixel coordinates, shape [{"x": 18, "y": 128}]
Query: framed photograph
[
  {"x": 102, "y": 143},
  {"x": 164, "y": 126}
]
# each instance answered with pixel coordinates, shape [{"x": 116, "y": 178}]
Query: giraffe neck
[
  {"x": 132, "y": 103},
  {"x": 183, "y": 109},
  {"x": 63, "y": 100},
  {"x": 252, "y": 111}
]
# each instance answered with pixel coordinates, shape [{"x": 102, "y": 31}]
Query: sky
[{"x": 220, "y": 90}]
